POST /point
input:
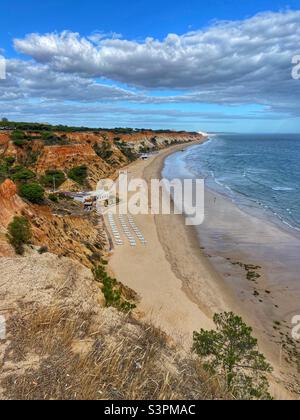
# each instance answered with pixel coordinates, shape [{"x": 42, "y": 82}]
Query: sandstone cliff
[
  {"x": 72, "y": 233},
  {"x": 79, "y": 236}
]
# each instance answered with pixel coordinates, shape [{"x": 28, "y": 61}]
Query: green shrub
[
  {"x": 231, "y": 352},
  {"x": 3, "y": 172},
  {"x": 23, "y": 175},
  {"x": 18, "y": 135},
  {"x": 53, "y": 178},
  {"x": 51, "y": 139},
  {"x": 19, "y": 233},
  {"x": 32, "y": 192},
  {"x": 112, "y": 291},
  {"x": 20, "y": 143},
  {"x": 54, "y": 198},
  {"x": 78, "y": 174},
  {"x": 19, "y": 138},
  {"x": 10, "y": 160}
]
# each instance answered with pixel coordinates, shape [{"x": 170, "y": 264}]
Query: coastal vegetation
[
  {"x": 5, "y": 168},
  {"x": 53, "y": 179},
  {"x": 21, "y": 174},
  {"x": 51, "y": 139},
  {"x": 78, "y": 174},
  {"x": 19, "y": 233},
  {"x": 40, "y": 127},
  {"x": 54, "y": 198},
  {"x": 111, "y": 290},
  {"x": 232, "y": 352},
  {"x": 32, "y": 192}
]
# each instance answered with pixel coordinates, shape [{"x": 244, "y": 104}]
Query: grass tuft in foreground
[{"x": 61, "y": 357}]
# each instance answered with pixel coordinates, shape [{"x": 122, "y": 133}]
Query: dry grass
[{"x": 123, "y": 360}]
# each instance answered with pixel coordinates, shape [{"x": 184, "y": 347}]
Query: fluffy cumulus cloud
[
  {"x": 28, "y": 79},
  {"x": 228, "y": 63}
]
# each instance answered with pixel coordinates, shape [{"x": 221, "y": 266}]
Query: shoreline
[{"x": 185, "y": 277}]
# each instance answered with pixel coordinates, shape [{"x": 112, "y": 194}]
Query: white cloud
[
  {"x": 226, "y": 52},
  {"x": 228, "y": 63}
]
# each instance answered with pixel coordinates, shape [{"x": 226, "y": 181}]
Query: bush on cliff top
[
  {"x": 32, "y": 192},
  {"x": 53, "y": 179},
  {"x": 19, "y": 234},
  {"x": 78, "y": 174},
  {"x": 231, "y": 352},
  {"x": 23, "y": 175}
]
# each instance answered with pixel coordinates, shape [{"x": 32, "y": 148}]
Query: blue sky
[{"x": 201, "y": 65}]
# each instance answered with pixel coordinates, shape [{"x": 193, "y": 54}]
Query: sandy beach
[
  {"x": 176, "y": 279},
  {"x": 165, "y": 300}
]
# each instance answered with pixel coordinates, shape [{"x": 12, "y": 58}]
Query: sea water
[
  {"x": 259, "y": 177},
  {"x": 255, "y": 171}
]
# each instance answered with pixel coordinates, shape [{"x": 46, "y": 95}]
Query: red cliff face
[
  {"x": 10, "y": 206},
  {"x": 70, "y": 235},
  {"x": 6, "y": 146},
  {"x": 65, "y": 157},
  {"x": 69, "y": 156},
  {"x": 10, "y": 203}
]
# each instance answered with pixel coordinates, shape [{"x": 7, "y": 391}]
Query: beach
[
  {"x": 149, "y": 272},
  {"x": 181, "y": 285}
]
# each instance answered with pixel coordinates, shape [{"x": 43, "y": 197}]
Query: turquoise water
[{"x": 258, "y": 171}]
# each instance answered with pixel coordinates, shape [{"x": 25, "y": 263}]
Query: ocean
[
  {"x": 252, "y": 211},
  {"x": 258, "y": 172}
]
